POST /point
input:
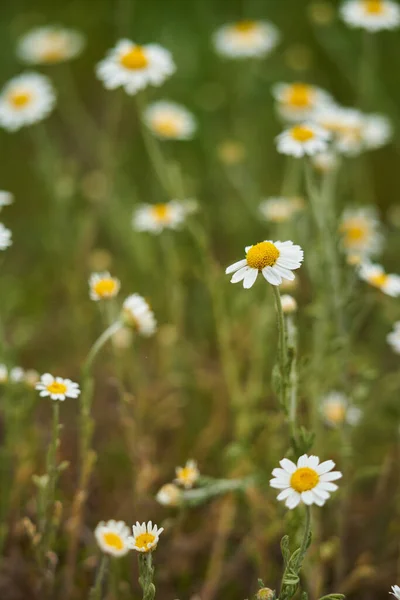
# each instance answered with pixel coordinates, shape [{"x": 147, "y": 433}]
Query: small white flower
[
  {"x": 298, "y": 101},
  {"x": 309, "y": 481},
  {"x": 31, "y": 377},
  {"x": 246, "y": 39},
  {"x": 395, "y": 591},
  {"x": 279, "y": 210},
  {"x": 336, "y": 410},
  {"x": 57, "y": 388},
  {"x": 112, "y": 537},
  {"x": 169, "y": 495},
  {"x": 3, "y": 373},
  {"x": 170, "y": 121},
  {"x": 102, "y": 286},
  {"x": 5, "y": 237},
  {"x": 377, "y": 131},
  {"x": 360, "y": 232},
  {"x": 17, "y": 374},
  {"x": 138, "y": 314},
  {"x": 375, "y": 275},
  {"x": 134, "y": 67},
  {"x": 50, "y": 45},
  {"x": 145, "y": 537},
  {"x": 188, "y": 475},
  {"x": 289, "y": 304},
  {"x": 6, "y": 198},
  {"x": 303, "y": 139},
  {"x": 157, "y": 217},
  {"x": 393, "y": 339},
  {"x": 26, "y": 99},
  {"x": 372, "y": 15},
  {"x": 324, "y": 161},
  {"x": 275, "y": 260}
]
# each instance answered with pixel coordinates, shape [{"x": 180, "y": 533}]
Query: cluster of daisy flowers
[
  {"x": 186, "y": 478},
  {"x": 6, "y": 198},
  {"x": 13, "y": 375},
  {"x": 116, "y": 538}
]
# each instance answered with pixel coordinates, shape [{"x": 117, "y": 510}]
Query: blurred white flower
[
  {"x": 359, "y": 229},
  {"x": 375, "y": 275},
  {"x": 371, "y": 15},
  {"x": 157, "y": 217},
  {"x": 31, "y": 377},
  {"x": 187, "y": 475},
  {"x": 145, "y": 537},
  {"x": 393, "y": 339},
  {"x": 26, "y": 99},
  {"x": 279, "y": 209},
  {"x": 102, "y": 286},
  {"x": 57, "y": 388},
  {"x": 246, "y": 39},
  {"x": 5, "y": 237},
  {"x": 6, "y": 198},
  {"x": 324, "y": 161},
  {"x": 336, "y": 410},
  {"x": 303, "y": 139},
  {"x": 169, "y": 495},
  {"x": 395, "y": 591},
  {"x": 298, "y": 101},
  {"x": 50, "y": 45},
  {"x": 377, "y": 131},
  {"x": 112, "y": 537},
  {"x": 170, "y": 121},
  {"x": 16, "y": 374},
  {"x": 289, "y": 304},
  {"x": 138, "y": 314}
]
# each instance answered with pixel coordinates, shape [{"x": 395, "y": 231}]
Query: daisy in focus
[
  {"x": 336, "y": 411},
  {"x": 157, "y": 217},
  {"x": 246, "y": 39},
  {"x": 170, "y": 121},
  {"x": 309, "y": 481},
  {"x": 145, "y": 537},
  {"x": 395, "y": 591},
  {"x": 138, "y": 314},
  {"x": 371, "y": 15},
  {"x": 5, "y": 237},
  {"x": 24, "y": 100},
  {"x": 375, "y": 275},
  {"x": 102, "y": 286},
  {"x": 275, "y": 260},
  {"x": 298, "y": 101},
  {"x": 303, "y": 139},
  {"x": 50, "y": 45},
  {"x": 169, "y": 495},
  {"x": 6, "y": 198},
  {"x": 279, "y": 210},
  {"x": 393, "y": 338},
  {"x": 134, "y": 67},
  {"x": 188, "y": 475},
  {"x": 112, "y": 537},
  {"x": 57, "y": 388},
  {"x": 359, "y": 230}
]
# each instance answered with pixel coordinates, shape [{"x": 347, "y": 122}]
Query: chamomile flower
[
  {"x": 359, "y": 229},
  {"x": 5, "y": 237},
  {"x": 50, "y": 45},
  {"x": 303, "y": 139},
  {"x": 346, "y": 126},
  {"x": 279, "y": 210},
  {"x": 169, "y": 495},
  {"x": 170, "y": 121},
  {"x": 309, "y": 481},
  {"x": 57, "y": 388},
  {"x": 157, "y": 217},
  {"x": 298, "y": 101},
  {"x": 145, "y": 537},
  {"x": 371, "y": 15},
  {"x": 24, "y": 100},
  {"x": 246, "y": 39},
  {"x": 6, "y": 198},
  {"x": 393, "y": 338},
  {"x": 188, "y": 475},
  {"x": 138, "y": 314},
  {"x": 3, "y": 373},
  {"x": 102, "y": 286},
  {"x": 375, "y": 275},
  {"x": 275, "y": 260},
  {"x": 289, "y": 304},
  {"x": 395, "y": 591},
  {"x": 324, "y": 161},
  {"x": 377, "y": 131},
  {"x": 134, "y": 67},
  {"x": 112, "y": 537},
  {"x": 16, "y": 375},
  {"x": 335, "y": 410},
  {"x": 31, "y": 378}
]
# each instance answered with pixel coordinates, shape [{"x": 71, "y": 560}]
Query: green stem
[
  {"x": 95, "y": 592},
  {"x": 146, "y": 574},
  {"x": 282, "y": 346},
  {"x": 306, "y": 538},
  {"x": 99, "y": 343}
]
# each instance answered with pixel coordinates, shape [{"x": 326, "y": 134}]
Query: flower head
[
  {"x": 371, "y": 15},
  {"x": 303, "y": 139},
  {"x": 395, "y": 591},
  {"x": 289, "y": 304},
  {"x": 324, "y": 161},
  {"x": 393, "y": 339},
  {"x": 17, "y": 375},
  {"x": 145, "y": 537},
  {"x": 31, "y": 377},
  {"x": 5, "y": 237},
  {"x": 134, "y": 67},
  {"x": 169, "y": 495},
  {"x": 102, "y": 286},
  {"x": 279, "y": 210},
  {"x": 309, "y": 481},
  {"x": 50, "y": 45},
  {"x": 275, "y": 260},
  {"x": 138, "y": 314},
  {"x": 335, "y": 410},
  {"x": 24, "y": 100},
  {"x": 57, "y": 388},
  {"x": 375, "y": 275},
  {"x": 157, "y": 217},
  {"x": 246, "y": 39},
  {"x": 170, "y": 121},
  {"x": 298, "y": 101},
  {"x": 112, "y": 537},
  {"x": 188, "y": 475},
  {"x": 6, "y": 198},
  {"x": 377, "y": 131},
  {"x": 359, "y": 229}
]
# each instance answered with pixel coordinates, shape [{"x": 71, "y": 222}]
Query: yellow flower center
[
  {"x": 19, "y": 99},
  {"x": 57, "y": 388},
  {"x": 186, "y": 474},
  {"x": 354, "y": 233},
  {"x": 300, "y": 133},
  {"x": 161, "y": 213},
  {"x": 113, "y": 540},
  {"x": 134, "y": 59},
  {"x": 144, "y": 540},
  {"x": 335, "y": 412},
  {"x": 299, "y": 95},
  {"x": 167, "y": 126},
  {"x": 374, "y": 7},
  {"x": 105, "y": 287},
  {"x": 264, "y": 254},
  {"x": 304, "y": 479},
  {"x": 245, "y": 26},
  {"x": 378, "y": 280}
]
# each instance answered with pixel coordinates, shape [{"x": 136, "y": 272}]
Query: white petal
[
  {"x": 293, "y": 500},
  {"x": 237, "y": 265},
  {"x": 284, "y": 494},
  {"x": 239, "y": 275},
  {"x": 313, "y": 462},
  {"x": 250, "y": 278},
  {"x": 326, "y": 466},
  {"x": 279, "y": 484},
  {"x": 327, "y": 486},
  {"x": 281, "y": 474},
  {"x": 331, "y": 476},
  {"x": 303, "y": 461},
  {"x": 307, "y": 497},
  {"x": 287, "y": 465},
  {"x": 272, "y": 277},
  {"x": 285, "y": 273}
]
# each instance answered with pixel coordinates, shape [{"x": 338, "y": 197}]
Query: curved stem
[{"x": 99, "y": 343}]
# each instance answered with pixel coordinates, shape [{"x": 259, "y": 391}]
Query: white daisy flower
[
  {"x": 336, "y": 410},
  {"x": 3, "y": 373},
  {"x": 246, "y": 39},
  {"x": 279, "y": 210},
  {"x": 372, "y": 15},
  {"x": 50, "y": 45},
  {"x": 170, "y": 121},
  {"x": 303, "y": 139},
  {"x": 138, "y": 314},
  {"x": 102, "y": 286},
  {"x": 134, "y": 67},
  {"x": 26, "y": 99},
  {"x": 289, "y": 304},
  {"x": 169, "y": 495},
  {"x": 5, "y": 237},
  {"x": 309, "y": 481},
  {"x": 157, "y": 217},
  {"x": 375, "y": 275},
  {"x": 298, "y": 101},
  {"x": 360, "y": 235},
  {"x": 346, "y": 126},
  {"x": 112, "y": 537},
  {"x": 57, "y": 388},
  {"x": 393, "y": 338},
  {"x": 324, "y": 161},
  {"x": 188, "y": 475},
  {"x": 377, "y": 131},
  {"x": 17, "y": 374},
  {"x": 6, "y": 198},
  {"x": 275, "y": 260},
  {"x": 395, "y": 591},
  {"x": 145, "y": 537}
]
